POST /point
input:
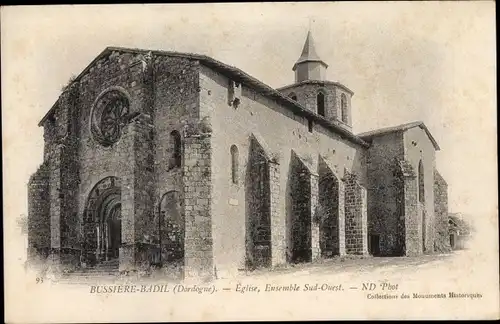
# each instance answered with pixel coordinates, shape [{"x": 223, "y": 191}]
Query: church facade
[{"x": 156, "y": 158}]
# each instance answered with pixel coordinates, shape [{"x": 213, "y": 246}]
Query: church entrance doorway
[
  {"x": 111, "y": 231},
  {"x": 102, "y": 224}
]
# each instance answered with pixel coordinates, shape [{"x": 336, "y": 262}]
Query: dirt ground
[{"x": 360, "y": 265}]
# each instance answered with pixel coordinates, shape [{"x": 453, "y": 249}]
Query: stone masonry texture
[
  {"x": 303, "y": 186},
  {"x": 442, "y": 242},
  {"x": 355, "y": 216}
]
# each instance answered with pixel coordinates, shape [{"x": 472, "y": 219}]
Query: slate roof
[
  {"x": 241, "y": 76},
  {"x": 367, "y": 136},
  {"x": 309, "y": 52},
  {"x": 319, "y": 82},
  {"x": 238, "y": 76}
]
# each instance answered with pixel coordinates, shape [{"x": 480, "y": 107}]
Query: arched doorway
[{"x": 102, "y": 222}]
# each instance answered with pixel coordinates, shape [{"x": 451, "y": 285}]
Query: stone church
[{"x": 157, "y": 159}]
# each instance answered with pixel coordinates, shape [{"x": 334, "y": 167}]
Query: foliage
[{"x": 70, "y": 81}]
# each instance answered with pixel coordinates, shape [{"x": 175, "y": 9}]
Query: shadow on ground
[{"x": 357, "y": 264}]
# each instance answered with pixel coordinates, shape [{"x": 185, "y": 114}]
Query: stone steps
[{"x": 106, "y": 268}]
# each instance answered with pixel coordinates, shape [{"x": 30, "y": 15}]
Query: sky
[{"x": 429, "y": 61}]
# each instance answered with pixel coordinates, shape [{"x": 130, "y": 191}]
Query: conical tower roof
[{"x": 309, "y": 52}]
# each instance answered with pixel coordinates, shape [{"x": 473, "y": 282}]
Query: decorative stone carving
[{"x": 109, "y": 115}]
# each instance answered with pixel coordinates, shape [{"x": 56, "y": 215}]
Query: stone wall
[
  {"x": 176, "y": 108},
  {"x": 356, "y": 222},
  {"x": 60, "y": 156},
  {"x": 197, "y": 173},
  {"x": 139, "y": 233},
  {"x": 176, "y": 94},
  {"x": 259, "y": 116},
  {"x": 418, "y": 147},
  {"x": 314, "y": 218},
  {"x": 38, "y": 214},
  {"x": 306, "y": 94},
  {"x": 331, "y": 207},
  {"x": 278, "y": 230},
  {"x": 384, "y": 193},
  {"x": 258, "y": 219},
  {"x": 441, "y": 240},
  {"x": 409, "y": 221},
  {"x": 391, "y": 204},
  {"x": 163, "y": 96},
  {"x": 413, "y": 217},
  {"x": 301, "y": 224},
  {"x": 130, "y": 158}
]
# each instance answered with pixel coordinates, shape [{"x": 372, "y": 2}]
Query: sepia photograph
[{"x": 250, "y": 161}]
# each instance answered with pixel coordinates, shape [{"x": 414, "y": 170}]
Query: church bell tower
[{"x": 311, "y": 89}]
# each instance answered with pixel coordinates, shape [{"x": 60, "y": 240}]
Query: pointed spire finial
[
  {"x": 310, "y": 59},
  {"x": 309, "y": 50},
  {"x": 311, "y": 23}
]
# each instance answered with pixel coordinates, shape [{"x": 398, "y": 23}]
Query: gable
[
  {"x": 236, "y": 75},
  {"x": 368, "y": 136}
]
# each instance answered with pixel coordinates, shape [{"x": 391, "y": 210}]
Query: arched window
[
  {"x": 343, "y": 108},
  {"x": 421, "y": 187},
  {"x": 292, "y": 96},
  {"x": 320, "y": 101},
  {"x": 234, "y": 164},
  {"x": 175, "y": 140}
]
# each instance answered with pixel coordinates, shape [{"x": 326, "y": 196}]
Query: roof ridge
[
  {"x": 387, "y": 128},
  {"x": 309, "y": 53},
  {"x": 238, "y": 74},
  {"x": 402, "y": 127},
  {"x": 296, "y": 84}
]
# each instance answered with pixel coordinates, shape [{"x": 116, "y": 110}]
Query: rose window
[{"x": 109, "y": 116}]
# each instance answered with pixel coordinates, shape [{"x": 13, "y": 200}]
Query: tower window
[
  {"x": 421, "y": 187},
  {"x": 310, "y": 125},
  {"x": 343, "y": 108},
  {"x": 175, "y": 140},
  {"x": 234, "y": 164},
  {"x": 320, "y": 100}
]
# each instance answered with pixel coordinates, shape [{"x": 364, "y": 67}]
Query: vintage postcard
[{"x": 254, "y": 161}]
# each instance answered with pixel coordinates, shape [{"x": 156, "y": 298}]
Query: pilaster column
[
  {"x": 341, "y": 223},
  {"x": 278, "y": 243},
  {"x": 55, "y": 196},
  {"x": 197, "y": 173},
  {"x": 413, "y": 230},
  {"x": 38, "y": 214},
  {"x": 138, "y": 227},
  {"x": 315, "y": 224},
  {"x": 356, "y": 222}
]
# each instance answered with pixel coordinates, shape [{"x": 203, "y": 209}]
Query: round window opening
[{"x": 109, "y": 116}]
